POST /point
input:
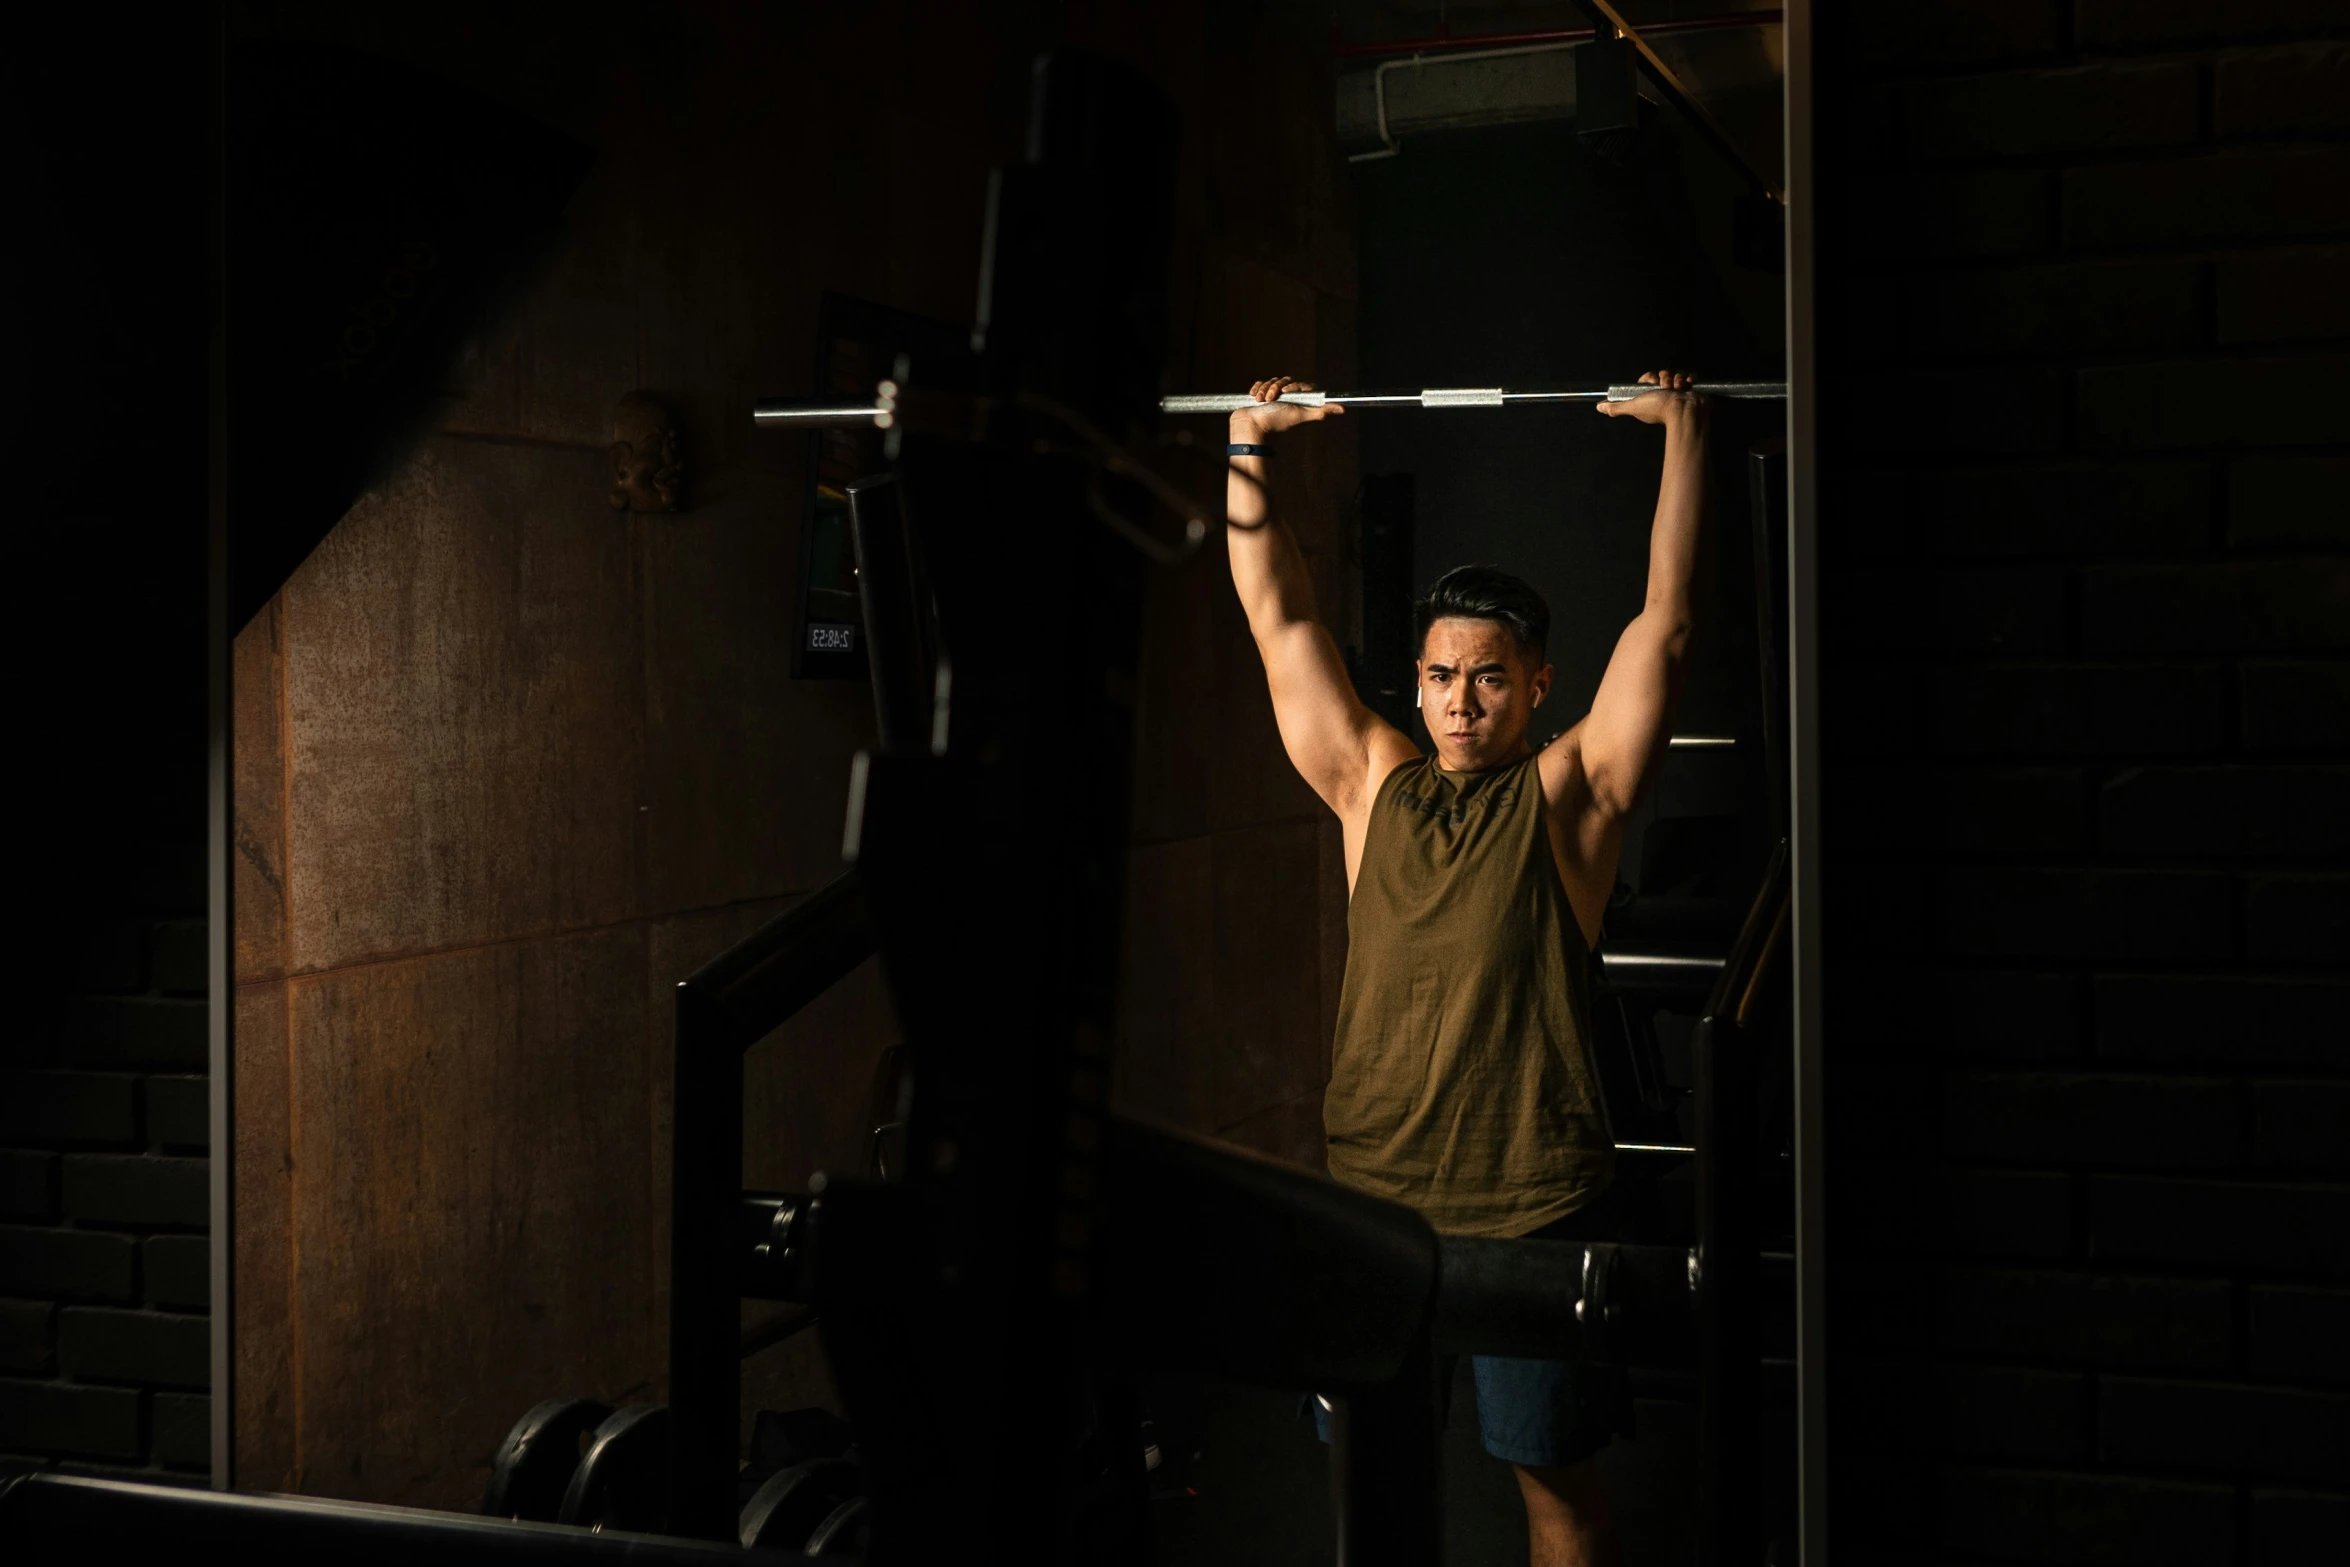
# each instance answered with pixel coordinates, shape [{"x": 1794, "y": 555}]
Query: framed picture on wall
[{"x": 858, "y": 344}]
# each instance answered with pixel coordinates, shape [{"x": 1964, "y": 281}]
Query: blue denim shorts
[{"x": 1540, "y": 1413}]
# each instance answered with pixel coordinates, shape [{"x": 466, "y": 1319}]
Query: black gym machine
[{"x": 987, "y": 1312}]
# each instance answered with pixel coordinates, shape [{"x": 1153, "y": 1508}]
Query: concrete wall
[{"x": 509, "y": 764}]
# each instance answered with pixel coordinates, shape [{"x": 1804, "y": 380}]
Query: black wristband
[{"x": 1247, "y": 449}]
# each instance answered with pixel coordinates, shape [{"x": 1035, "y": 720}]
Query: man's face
[{"x": 1478, "y": 691}]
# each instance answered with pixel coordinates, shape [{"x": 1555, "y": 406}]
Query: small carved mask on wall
[{"x": 647, "y": 474}]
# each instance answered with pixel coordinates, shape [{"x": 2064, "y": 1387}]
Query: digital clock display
[{"x": 826, "y": 636}]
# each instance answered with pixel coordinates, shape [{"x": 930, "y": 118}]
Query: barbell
[
  {"x": 1463, "y": 397},
  {"x": 882, "y": 409}
]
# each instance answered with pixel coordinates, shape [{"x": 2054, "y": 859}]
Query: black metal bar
[
  {"x": 55, "y": 1518},
  {"x": 1219, "y": 1262},
  {"x": 1386, "y": 669},
  {"x": 1672, "y": 973},
  {"x": 1522, "y": 1297},
  {"x": 1386, "y": 1468},
  {"x": 903, "y": 669},
  {"x": 706, "y": 1177},
  {"x": 727, "y": 1005},
  {"x": 1725, "y": 1275},
  {"x": 757, "y": 984},
  {"x": 1766, "y": 467},
  {"x": 1748, "y": 951},
  {"x": 1509, "y": 1298},
  {"x": 1729, "y": 1345},
  {"x": 220, "y": 840}
]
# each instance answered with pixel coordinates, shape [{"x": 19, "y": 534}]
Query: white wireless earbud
[{"x": 1419, "y": 698}]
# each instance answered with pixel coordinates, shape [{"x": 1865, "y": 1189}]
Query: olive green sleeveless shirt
[{"x": 1460, "y": 1081}]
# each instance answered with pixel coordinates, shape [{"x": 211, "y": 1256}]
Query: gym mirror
[{"x": 1371, "y": 983}]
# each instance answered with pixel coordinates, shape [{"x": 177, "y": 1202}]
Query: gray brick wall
[
  {"x": 2085, "y": 275},
  {"x": 104, "y": 1259}
]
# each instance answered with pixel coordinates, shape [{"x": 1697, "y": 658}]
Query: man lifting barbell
[{"x": 1462, "y": 1083}]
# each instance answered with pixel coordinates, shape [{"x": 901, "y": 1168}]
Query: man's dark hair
[{"x": 1485, "y": 593}]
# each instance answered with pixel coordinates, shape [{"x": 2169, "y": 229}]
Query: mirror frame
[{"x": 1803, "y": 706}]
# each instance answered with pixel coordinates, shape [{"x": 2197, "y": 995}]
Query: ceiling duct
[{"x": 1607, "y": 97}]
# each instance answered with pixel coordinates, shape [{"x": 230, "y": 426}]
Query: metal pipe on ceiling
[{"x": 1445, "y": 44}]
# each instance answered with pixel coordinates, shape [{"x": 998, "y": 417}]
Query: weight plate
[
  {"x": 780, "y": 1515},
  {"x": 844, "y": 1530},
  {"x": 534, "y": 1463},
  {"x": 622, "y": 1481}
]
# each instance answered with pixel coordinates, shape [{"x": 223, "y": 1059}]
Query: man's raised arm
[
  {"x": 1633, "y": 710},
  {"x": 1325, "y": 727}
]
